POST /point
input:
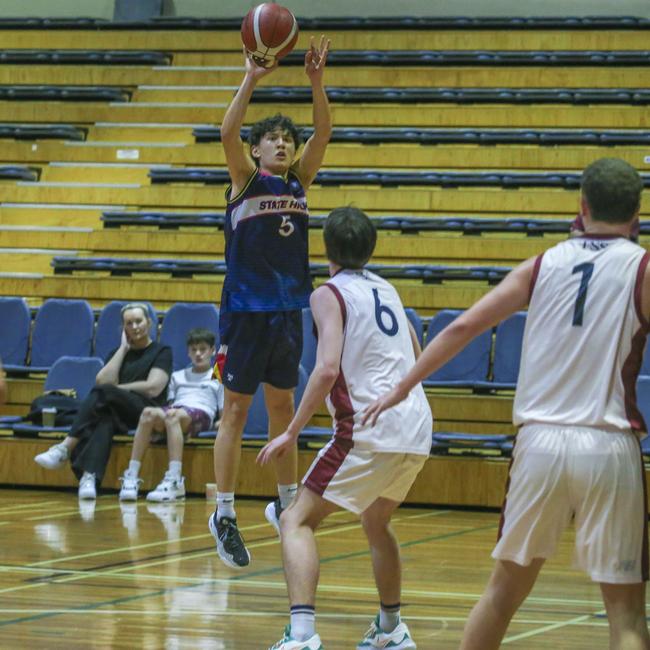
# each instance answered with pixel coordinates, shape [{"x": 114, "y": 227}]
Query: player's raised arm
[
  {"x": 509, "y": 296},
  {"x": 240, "y": 164},
  {"x": 329, "y": 322},
  {"x": 312, "y": 157}
]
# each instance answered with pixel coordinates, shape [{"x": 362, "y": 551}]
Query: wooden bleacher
[{"x": 109, "y": 169}]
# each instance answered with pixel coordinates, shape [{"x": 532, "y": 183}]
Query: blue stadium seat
[
  {"x": 109, "y": 327},
  {"x": 179, "y": 320},
  {"x": 66, "y": 372},
  {"x": 309, "y": 342},
  {"x": 469, "y": 366},
  {"x": 15, "y": 321},
  {"x": 416, "y": 321},
  {"x": 61, "y": 328},
  {"x": 257, "y": 423},
  {"x": 507, "y": 353}
]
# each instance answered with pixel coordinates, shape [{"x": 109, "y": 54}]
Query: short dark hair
[
  {"x": 136, "y": 305},
  {"x": 612, "y": 189},
  {"x": 350, "y": 237},
  {"x": 269, "y": 124},
  {"x": 200, "y": 335}
]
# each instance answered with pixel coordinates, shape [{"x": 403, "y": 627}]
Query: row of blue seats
[
  {"x": 64, "y": 93},
  {"x": 466, "y": 225},
  {"x": 121, "y": 266},
  {"x": 459, "y": 136},
  {"x": 79, "y": 373},
  {"x": 370, "y": 23},
  {"x": 42, "y": 132},
  {"x": 19, "y": 173},
  {"x": 67, "y": 328},
  {"x": 478, "y": 58},
  {"x": 506, "y": 180},
  {"x": 347, "y": 95},
  {"x": 84, "y": 57}
]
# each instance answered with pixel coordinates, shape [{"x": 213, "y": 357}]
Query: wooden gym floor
[{"x": 147, "y": 576}]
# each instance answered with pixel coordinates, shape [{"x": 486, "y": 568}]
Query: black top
[{"x": 138, "y": 363}]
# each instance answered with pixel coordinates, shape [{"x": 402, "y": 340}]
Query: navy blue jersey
[{"x": 267, "y": 256}]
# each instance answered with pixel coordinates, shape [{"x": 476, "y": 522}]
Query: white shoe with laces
[
  {"x": 170, "y": 488},
  {"x": 87, "y": 486},
  {"x": 398, "y": 639},
  {"x": 54, "y": 458},
  {"x": 129, "y": 489}
]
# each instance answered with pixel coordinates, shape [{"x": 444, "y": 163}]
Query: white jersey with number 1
[
  {"x": 377, "y": 353},
  {"x": 585, "y": 336}
]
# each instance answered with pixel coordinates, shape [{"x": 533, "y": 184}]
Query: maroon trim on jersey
[
  {"x": 502, "y": 519},
  {"x": 638, "y": 288},
  {"x": 533, "y": 279},
  {"x": 327, "y": 465},
  {"x": 629, "y": 374},
  {"x": 339, "y": 297}
]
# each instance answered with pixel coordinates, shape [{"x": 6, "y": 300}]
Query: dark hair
[
  {"x": 269, "y": 124},
  {"x": 612, "y": 189},
  {"x": 200, "y": 335},
  {"x": 350, "y": 237}
]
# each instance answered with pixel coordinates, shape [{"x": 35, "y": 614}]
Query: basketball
[{"x": 269, "y": 32}]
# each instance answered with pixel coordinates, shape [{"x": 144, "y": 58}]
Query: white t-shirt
[
  {"x": 196, "y": 390},
  {"x": 585, "y": 336},
  {"x": 377, "y": 353}
]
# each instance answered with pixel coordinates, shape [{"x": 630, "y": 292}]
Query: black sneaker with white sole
[{"x": 230, "y": 544}]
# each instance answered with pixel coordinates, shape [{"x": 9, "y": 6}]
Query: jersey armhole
[
  {"x": 638, "y": 288},
  {"x": 240, "y": 194},
  {"x": 335, "y": 290},
  {"x": 533, "y": 277}
]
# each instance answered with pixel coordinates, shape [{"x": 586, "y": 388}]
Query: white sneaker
[
  {"x": 130, "y": 485},
  {"x": 54, "y": 458},
  {"x": 130, "y": 518},
  {"x": 398, "y": 639},
  {"x": 87, "y": 488},
  {"x": 287, "y": 642},
  {"x": 272, "y": 513},
  {"x": 169, "y": 489}
]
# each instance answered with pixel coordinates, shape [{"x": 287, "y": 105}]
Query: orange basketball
[{"x": 269, "y": 32}]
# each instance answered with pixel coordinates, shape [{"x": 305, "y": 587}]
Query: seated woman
[{"x": 135, "y": 377}]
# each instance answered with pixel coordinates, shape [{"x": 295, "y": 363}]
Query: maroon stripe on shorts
[
  {"x": 327, "y": 465},
  {"x": 645, "y": 573},
  {"x": 502, "y": 519}
]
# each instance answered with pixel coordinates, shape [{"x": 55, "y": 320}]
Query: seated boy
[{"x": 195, "y": 398}]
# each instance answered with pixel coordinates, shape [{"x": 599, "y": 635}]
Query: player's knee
[
  {"x": 148, "y": 415},
  {"x": 172, "y": 417},
  {"x": 235, "y": 413}
]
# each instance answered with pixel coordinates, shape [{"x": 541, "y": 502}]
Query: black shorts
[{"x": 263, "y": 347}]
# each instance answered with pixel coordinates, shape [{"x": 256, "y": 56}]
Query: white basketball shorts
[
  {"x": 596, "y": 477},
  {"x": 353, "y": 478}
]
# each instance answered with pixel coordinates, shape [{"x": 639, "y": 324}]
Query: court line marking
[
  {"x": 28, "y": 506},
  {"x": 549, "y": 628}
]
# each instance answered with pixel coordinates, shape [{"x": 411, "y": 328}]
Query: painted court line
[{"x": 549, "y": 628}]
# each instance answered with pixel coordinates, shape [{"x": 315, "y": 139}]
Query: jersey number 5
[
  {"x": 587, "y": 268},
  {"x": 382, "y": 311},
  {"x": 286, "y": 227}
]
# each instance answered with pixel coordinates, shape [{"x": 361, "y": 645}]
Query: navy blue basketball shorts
[{"x": 262, "y": 347}]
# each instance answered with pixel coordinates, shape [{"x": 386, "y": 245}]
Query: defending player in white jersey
[
  {"x": 365, "y": 345},
  {"x": 577, "y": 452}
]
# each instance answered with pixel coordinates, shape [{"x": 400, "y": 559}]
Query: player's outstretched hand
[
  {"x": 386, "y": 401},
  {"x": 276, "y": 448},
  {"x": 256, "y": 71},
  {"x": 315, "y": 59}
]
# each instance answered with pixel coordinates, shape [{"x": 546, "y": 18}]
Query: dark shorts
[{"x": 262, "y": 347}]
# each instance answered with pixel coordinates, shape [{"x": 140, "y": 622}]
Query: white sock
[
  {"x": 176, "y": 468},
  {"x": 226, "y": 505},
  {"x": 286, "y": 494},
  {"x": 134, "y": 468},
  {"x": 389, "y": 617},
  {"x": 303, "y": 622}
]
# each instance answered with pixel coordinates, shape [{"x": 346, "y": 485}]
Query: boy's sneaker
[
  {"x": 272, "y": 513},
  {"x": 398, "y": 639},
  {"x": 169, "y": 489},
  {"x": 54, "y": 458},
  {"x": 129, "y": 489},
  {"x": 288, "y": 643},
  {"x": 87, "y": 487},
  {"x": 230, "y": 544}
]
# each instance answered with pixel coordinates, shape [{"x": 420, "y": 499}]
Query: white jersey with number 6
[
  {"x": 585, "y": 336},
  {"x": 377, "y": 353}
]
